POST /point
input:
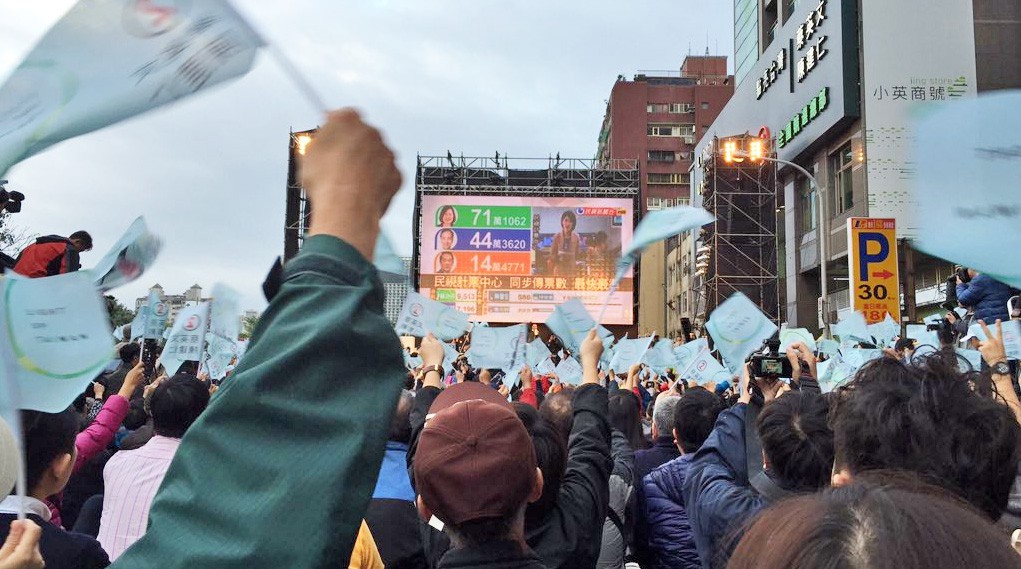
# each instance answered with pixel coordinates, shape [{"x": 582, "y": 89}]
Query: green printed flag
[{"x": 55, "y": 339}]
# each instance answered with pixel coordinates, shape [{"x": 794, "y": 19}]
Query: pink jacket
[{"x": 93, "y": 440}]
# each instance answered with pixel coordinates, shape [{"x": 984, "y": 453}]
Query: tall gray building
[
  {"x": 395, "y": 288},
  {"x": 833, "y": 84}
]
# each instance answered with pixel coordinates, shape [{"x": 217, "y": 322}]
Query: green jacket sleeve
[{"x": 279, "y": 469}]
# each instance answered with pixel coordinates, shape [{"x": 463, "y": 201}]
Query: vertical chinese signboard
[
  {"x": 917, "y": 57},
  {"x": 872, "y": 264}
]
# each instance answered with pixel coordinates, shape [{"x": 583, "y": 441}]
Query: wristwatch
[
  {"x": 434, "y": 367},
  {"x": 1001, "y": 368}
]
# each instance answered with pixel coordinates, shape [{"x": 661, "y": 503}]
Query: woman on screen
[
  {"x": 564, "y": 253},
  {"x": 447, "y": 216}
]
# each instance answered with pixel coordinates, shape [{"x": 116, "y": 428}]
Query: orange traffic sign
[{"x": 873, "y": 268}]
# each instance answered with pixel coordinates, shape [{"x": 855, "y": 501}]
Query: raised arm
[{"x": 279, "y": 469}]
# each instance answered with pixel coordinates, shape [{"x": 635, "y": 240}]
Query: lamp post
[{"x": 756, "y": 152}]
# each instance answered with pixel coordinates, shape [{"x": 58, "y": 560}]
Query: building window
[
  {"x": 658, "y": 178},
  {"x": 841, "y": 164},
  {"x": 791, "y": 5},
  {"x": 682, "y": 108},
  {"x": 671, "y": 129},
  {"x": 705, "y": 105},
  {"x": 657, "y": 108},
  {"x": 654, "y": 203},
  {"x": 664, "y": 156},
  {"x": 807, "y": 204}
]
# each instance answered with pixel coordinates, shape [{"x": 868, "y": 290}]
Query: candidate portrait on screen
[
  {"x": 446, "y": 216},
  {"x": 446, "y": 239},
  {"x": 445, "y": 262}
]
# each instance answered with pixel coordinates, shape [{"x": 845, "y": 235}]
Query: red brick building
[{"x": 658, "y": 120}]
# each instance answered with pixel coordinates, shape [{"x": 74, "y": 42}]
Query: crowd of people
[{"x": 323, "y": 449}]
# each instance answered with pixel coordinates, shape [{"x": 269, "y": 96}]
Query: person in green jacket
[{"x": 280, "y": 468}]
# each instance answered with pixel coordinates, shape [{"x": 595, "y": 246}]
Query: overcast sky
[{"x": 525, "y": 78}]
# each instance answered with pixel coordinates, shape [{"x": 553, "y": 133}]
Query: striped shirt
[{"x": 132, "y": 478}]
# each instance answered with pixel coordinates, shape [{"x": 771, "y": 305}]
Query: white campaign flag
[
  {"x": 155, "y": 319},
  {"x": 420, "y": 315},
  {"x": 497, "y": 348},
  {"x": 108, "y": 60},
  {"x": 133, "y": 253},
  {"x": 224, "y": 327},
  {"x": 185, "y": 341}
]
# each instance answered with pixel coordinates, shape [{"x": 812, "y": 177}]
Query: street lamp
[{"x": 756, "y": 153}]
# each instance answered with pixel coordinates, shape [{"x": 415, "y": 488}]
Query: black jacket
[
  {"x": 62, "y": 549},
  {"x": 501, "y": 555},
  {"x": 571, "y": 534}
]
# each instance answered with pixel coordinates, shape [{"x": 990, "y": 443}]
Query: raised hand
[
  {"x": 591, "y": 349},
  {"x": 350, "y": 176}
]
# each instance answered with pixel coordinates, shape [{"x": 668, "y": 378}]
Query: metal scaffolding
[
  {"x": 298, "y": 209},
  {"x": 538, "y": 177},
  {"x": 742, "y": 242}
]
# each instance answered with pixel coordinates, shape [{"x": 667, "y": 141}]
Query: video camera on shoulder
[{"x": 771, "y": 363}]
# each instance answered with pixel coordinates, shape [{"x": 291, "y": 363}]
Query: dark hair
[
  {"x": 550, "y": 457},
  {"x": 928, "y": 418},
  {"x": 568, "y": 214},
  {"x": 625, "y": 416},
  {"x": 904, "y": 343},
  {"x": 176, "y": 403},
  {"x": 446, "y": 253},
  {"x": 46, "y": 436},
  {"x": 867, "y": 525},
  {"x": 446, "y": 230},
  {"x": 444, "y": 209},
  {"x": 83, "y": 236},
  {"x": 400, "y": 424},
  {"x": 481, "y": 531},
  {"x": 190, "y": 367},
  {"x": 797, "y": 441},
  {"x": 129, "y": 352},
  {"x": 558, "y": 410},
  {"x": 695, "y": 416}
]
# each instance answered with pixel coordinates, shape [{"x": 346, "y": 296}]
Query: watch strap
[
  {"x": 1001, "y": 368},
  {"x": 438, "y": 369}
]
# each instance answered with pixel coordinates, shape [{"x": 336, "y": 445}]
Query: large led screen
[{"x": 513, "y": 259}]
